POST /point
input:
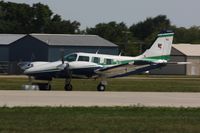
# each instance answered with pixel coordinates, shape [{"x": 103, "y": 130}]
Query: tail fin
[{"x": 161, "y": 48}]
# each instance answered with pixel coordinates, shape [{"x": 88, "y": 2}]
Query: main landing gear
[{"x": 102, "y": 85}]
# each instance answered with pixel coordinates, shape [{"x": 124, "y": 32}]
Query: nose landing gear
[{"x": 68, "y": 86}]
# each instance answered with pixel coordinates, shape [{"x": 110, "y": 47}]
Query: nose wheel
[
  {"x": 68, "y": 74},
  {"x": 68, "y": 85}
]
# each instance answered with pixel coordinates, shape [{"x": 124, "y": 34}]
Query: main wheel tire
[
  {"x": 68, "y": 87},
  {"x": 101, "y": 87}
]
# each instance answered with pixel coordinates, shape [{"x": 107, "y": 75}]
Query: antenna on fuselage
[
  {"x": 97, "y": 51},
  {"x": 120, "y": 53},
  {"x": 62, "y": 55}
]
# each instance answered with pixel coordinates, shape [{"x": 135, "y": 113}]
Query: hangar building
[
  {"x": 182, "y": 53},
  {"x": 75, "y": 43},
  {"x": 5, "y": 41},
  {"x": 47, "y": 47}
]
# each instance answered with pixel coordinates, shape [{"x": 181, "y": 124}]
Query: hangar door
[{"x": 194, "y": 68}]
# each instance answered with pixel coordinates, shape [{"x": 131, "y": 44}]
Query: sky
[{"x": 182, "y": 13}]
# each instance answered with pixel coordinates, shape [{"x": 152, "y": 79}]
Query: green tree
[
  {"x": 62, "y": 26},
  {"x": 184, "y": 35},
  {"x": 117, "y": 33},
  {"x": 143, "y": 29},
  {"x": 42, "y": 16},
  {"x": 38, "y": 18},
  {"x": 146, "y": 31},
  {"x": 15, "y": 18},
  {"x": 112, "y": 31}
]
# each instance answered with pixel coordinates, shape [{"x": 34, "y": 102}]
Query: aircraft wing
[{"x": 131, "y": 68}]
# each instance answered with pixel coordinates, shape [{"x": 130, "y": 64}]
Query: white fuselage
[{"x": 104, "y": 61}]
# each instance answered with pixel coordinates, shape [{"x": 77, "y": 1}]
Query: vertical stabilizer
[{"x": 161, "y": 48}]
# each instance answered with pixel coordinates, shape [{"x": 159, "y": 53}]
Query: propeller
[{"x": 64, "y": 66}]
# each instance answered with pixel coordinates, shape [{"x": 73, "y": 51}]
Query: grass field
[
  {"x": 99, "y": 120},
  {"x": 162, "y": 84}
]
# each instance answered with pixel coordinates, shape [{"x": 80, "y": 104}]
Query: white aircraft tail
[{"x": 161, "y": 48}]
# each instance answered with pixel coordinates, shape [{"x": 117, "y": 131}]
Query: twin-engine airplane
[{"x": 88, "y": 65}]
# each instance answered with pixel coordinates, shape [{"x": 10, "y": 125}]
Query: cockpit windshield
[{"x": 70, "y": 58}]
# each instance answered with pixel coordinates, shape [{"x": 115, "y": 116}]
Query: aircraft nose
[{"x": 25, "y": 65}]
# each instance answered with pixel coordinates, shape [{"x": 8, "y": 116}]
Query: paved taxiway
[{"x": 76, "y": 98}]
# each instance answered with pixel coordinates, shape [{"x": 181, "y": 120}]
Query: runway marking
[{"x": 87, "y": 99}]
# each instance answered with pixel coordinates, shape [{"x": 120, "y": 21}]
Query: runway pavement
[{"x": 76, "y": 98}]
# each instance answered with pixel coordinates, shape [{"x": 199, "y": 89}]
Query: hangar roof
[
  {"x": 6, "y": 39},
  {"x": 188, "y": 49},
  {"x": 73, "y": 40}
]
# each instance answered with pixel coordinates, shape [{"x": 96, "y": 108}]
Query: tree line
[{"x": 38, "y": 18}]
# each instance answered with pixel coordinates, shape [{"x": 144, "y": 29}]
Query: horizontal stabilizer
[{"x": 180, "y": 63}]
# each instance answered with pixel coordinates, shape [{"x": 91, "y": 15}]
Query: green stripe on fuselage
[
  {"x": 163, "y": 57},
  {"x": 154, "y": 58},
  {"x": 165, "y": 35},
  {"x": 125, "y": 61}
]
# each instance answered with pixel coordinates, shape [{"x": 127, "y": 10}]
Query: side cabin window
[
  {"x": 83, "y": 58},
  {"x": 70, "y": 58},
  {"x": 108, "y": 61},
  {"x": 96, "y": 60}
]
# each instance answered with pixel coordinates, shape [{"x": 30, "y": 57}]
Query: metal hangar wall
[{"x": 75, "y": 43}]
